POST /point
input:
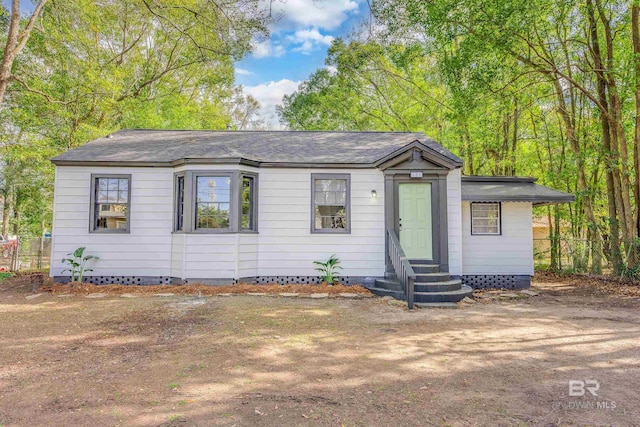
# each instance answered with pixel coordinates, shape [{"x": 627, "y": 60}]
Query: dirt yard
[{"x": 268, "y": 361}]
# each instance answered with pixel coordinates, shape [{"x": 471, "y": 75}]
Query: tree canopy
[
  {"x": 516, "y": 87},
  {"x": 77, "y": 70}
]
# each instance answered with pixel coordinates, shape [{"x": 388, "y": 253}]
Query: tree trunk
[
  {"x": 10, "y": 49},
  {"x": 635, "y": 36},
  {"x": 16, "y": 40},
  {"x": 612, "y": 186},
  {"x": 619, "y": 145},
  {"x": 6, "y": 210},
  {"x": 583, "y": 189}
]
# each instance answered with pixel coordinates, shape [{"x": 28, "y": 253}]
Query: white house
[{"x": 232, "y": 206}]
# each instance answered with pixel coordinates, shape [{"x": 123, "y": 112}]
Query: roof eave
[
  {"x": 536, "y": 200},
  {"x": 234, "y": 161}
]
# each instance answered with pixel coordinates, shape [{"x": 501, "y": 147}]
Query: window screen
[{"x": 485, "y": 218}]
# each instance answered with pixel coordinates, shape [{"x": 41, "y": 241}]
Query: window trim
[
  {"x": 254, "y": 210},
  {"x": 235, "y": 202},
  {"x": 177, "y": 175},
  {"x": 92, "y": 205},
  {"x": 499, "y": 233},
  {"x": 347, "y": 208}
]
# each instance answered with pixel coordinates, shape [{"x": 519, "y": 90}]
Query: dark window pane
[
  {"x": 247, "y": 220},
  {"x": 180, "y": 203}
]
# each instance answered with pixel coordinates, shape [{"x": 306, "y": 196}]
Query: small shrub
[
  {"x": 77, "y": 264},
  {"x": 631, "y": 272},
  {"x": 329, "y": 269}
]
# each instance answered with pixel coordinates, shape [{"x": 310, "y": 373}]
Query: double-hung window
[
  {"x": 330, "y": 203},
  {"x": 213, "y": 202},
  {"x": 110, "y": 200},
  {"x": 485, "y": 219}
]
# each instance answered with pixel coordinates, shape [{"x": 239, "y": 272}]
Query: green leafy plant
[
  {"x": 77, "y": 263},
  {"x": 329, "y": 269}
]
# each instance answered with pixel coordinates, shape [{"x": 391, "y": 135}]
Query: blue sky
[{"x": 297, "y": 47}]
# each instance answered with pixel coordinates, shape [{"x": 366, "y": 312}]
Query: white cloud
[
  {"x": 332, "y": 70},
  {"x": 243, "y": 72},
  {"x": 269, "y": 95},
  {"x": 291, "y": 15},
  {"x": 267, "y": 49},
  {"x": 308, "y": 39}
]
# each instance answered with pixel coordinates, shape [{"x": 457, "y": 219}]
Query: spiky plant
[
  {"x": 329, "y": 269},
  {"x": 77, "y": 264}
]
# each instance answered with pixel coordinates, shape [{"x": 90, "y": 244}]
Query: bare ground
[{"x": 266, "y": 361}]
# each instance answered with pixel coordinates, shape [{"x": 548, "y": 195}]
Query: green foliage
[
  {"x": 329, "y": 269},
  {"x": 91, "y": 68},
  {"x": 510, "y": 87},
  {"x": 77, "y": 264}
]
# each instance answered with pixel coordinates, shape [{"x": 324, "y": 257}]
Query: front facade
[{"x": 220, "y": 207}]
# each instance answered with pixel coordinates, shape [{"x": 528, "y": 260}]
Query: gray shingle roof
[
  {"x": 510, "y": 189},
  {"x": 166, "y": 146}
]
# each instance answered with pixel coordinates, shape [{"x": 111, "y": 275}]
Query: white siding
[
  {"x": 248, "y": 255},
  {"x": 178, "y": 243},
  {"x": 146, "y": 251},
  {"x": 211, "y": 256},
  {"x": 454, "y": 221},
  {"x": 284, "y": 246},
  {"x": 287, "y": 246},
  {"x": 510, "y": 253}
]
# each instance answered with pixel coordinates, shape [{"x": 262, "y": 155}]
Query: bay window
[{"x": 215, "y": 202}]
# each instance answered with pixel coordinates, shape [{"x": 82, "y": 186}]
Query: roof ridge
[{"x": 264, "y": 131}]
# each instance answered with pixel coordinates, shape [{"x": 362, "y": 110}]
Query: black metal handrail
[{"x": 401, "y": 265}]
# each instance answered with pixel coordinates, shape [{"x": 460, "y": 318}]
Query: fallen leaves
[{"x": 200, "y": 289}]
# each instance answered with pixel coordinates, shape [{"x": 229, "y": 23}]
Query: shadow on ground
[{"x": 270, "y": 361}]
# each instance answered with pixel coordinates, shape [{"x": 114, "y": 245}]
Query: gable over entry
[{"x": 416, "y": 201}]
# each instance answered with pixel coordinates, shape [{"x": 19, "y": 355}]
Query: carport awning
[{"x": 510, "y": 189}]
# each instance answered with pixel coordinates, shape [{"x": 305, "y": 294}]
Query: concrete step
[
  {"x": 447, "y": 296},
  {"x": 387, "y": 292},
  {"x": 425, "y": 268},
  {"x": 421, "y": 261},
  {"x": 432, "y": 277},
  {"x": 436, "y": 305},
  {"x": 393, "y": 285},
  {"x": 444, "y": 286},
  {"x": 391, "y": 276}
]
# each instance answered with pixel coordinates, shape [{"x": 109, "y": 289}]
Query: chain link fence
[
  {"x": 572, "y": 254},
  {"x": 26, "y": 253}
]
